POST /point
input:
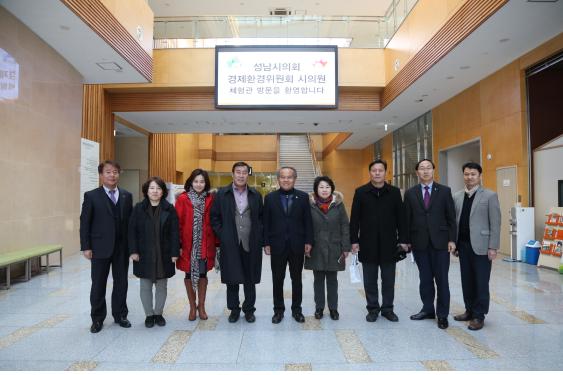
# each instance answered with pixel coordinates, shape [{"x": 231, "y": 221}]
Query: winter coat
[
  {"x": 377, "y": 223},
  {"x": 224, "y": 225},
  {"x": 141, "y": 239},
  {"x": 185, "y": 211},
  {"x": 331, "y": 235}
]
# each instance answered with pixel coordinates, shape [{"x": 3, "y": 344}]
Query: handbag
[
  {"x": 355, "y": 272},
  {"x": 400, "y": 254}
]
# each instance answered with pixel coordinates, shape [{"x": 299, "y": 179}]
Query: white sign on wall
[
  {"x": 276, "y": 77},
  {"x": 89, "y": 160}
]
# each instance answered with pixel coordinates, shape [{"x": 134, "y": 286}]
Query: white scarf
[{"x": 472, "y": 191}]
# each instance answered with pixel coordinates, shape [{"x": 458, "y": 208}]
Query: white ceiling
[
  {"x": 59, "y": 27},
  {"x": 175, "y": 8},
  {"x": 525, "y": 24}
]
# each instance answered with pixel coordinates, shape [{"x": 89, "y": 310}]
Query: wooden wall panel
[
  {"x": 162, "y": 156},
  {"x": 334, "y": 143},
  {"x": 102, "y": 22},
  {"x": 203, "y": 99},
  {"x": 97, "y": 120},
  {"x": 469, "y": 16}
]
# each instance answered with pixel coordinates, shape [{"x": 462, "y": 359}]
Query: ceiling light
[
  {"x": 64, "y": 27},
  {"x": 385, "y": 127},
  {"x": 418, "y": 101},
  {"x": 109, "y": 66},
  {"x": 424, "y": 95},
  {"x": 450, "y": 77},
  {"x": 504, "y": 40},
  {"x": 464, "y": 67}
]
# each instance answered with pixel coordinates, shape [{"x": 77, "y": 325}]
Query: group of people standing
[{"x": 235, "y": 226}]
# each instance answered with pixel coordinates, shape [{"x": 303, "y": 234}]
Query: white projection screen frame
[{"x": 276, "y": 77}]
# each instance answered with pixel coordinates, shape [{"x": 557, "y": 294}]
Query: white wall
[
  {"x": 455, "y": 158},
  {"x": 547, "y": 172},
  {"x": 132, "y": 153}
]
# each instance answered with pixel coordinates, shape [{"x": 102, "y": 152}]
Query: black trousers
[
  {"x": 475, "y": 274},
  {"x": 331, "y": 289},
  {"x": 233, "y": 301},
  {"x": 119, "y": 263},
  {"x": 278, "y": 264},
  {"x": 371, "y": 271},
  {"x": 433, "y": 266}
]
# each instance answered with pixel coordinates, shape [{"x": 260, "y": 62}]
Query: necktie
[
  {"x": 286, "y": 203},
  {"x": 112, "y": 196},
  {"x": 426, "y": 197}
]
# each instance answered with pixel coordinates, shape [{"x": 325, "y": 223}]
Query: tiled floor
[{"x": 44, "y": 325}]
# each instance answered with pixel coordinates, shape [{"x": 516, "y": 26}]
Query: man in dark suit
[
  {"x": 431, "y": 223},
  {"x": 103, "y": 240},
  {"x": 288, "y": 236},
  {"x": 236, "y": 217},
  {"x": 377, "y": 226}
]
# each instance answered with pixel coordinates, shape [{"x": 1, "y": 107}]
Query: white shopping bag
[{"x": 355, "y": 272}]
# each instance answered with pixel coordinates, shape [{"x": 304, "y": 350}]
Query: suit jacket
[
  {"x": 224, "y": 225},
  {"x": 484, "y": 219},
  {"x": 296, "y": 226},
  {"x": 97, "y": 223},
  {"x": 435, "y": 225}
]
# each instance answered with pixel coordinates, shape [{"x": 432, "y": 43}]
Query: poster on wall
[
  {"x": 276, "y": 77},
  {"x": 89, "y": 160}
]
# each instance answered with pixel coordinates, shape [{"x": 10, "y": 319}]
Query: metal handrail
[{"x": 316, "y": 165}]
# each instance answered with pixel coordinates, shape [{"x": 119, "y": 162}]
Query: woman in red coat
[{"x": 197, "y": 239}]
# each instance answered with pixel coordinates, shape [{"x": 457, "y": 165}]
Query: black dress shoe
[
  {"x": 149, "y": 321},
  {"x": 249, "y": 316},
  {"x": 423, "y": 315},
  {"x": 299, "y": 318},
  {"x": 96, "y": 327},
  {"x": 319, "y": 313},
  {"x": 372, "y": 316},
  {"x": 476, "y": 324},
  {"x": 123, "y": 322},
  {"x": 234, "y": 316},
  {"x": 334, "y": 315},
  {"x": 465, "y": 317},
  {"x": 277, "y": 317},
  {"x": 442, "y": 323},
  {"x": 390, "y": 316},
  {"x": 159, "y": 320}
]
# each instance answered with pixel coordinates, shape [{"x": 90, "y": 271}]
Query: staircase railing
[{"x": 316, "y": 165}]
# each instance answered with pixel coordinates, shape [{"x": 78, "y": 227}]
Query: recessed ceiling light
[
  {"x": 424, "y": 95},
  {"x": 418, "y": 101},
  {"x": 464, "y": 67},
  {"x": 450, "y": 77},
  {"x": 504, "y": 40},
  {"x": 64, "y": 27},
  {"x": 109, "y": 66},
  {"x": 395, "y": 116},
  {"x": 386, "y": 126}
]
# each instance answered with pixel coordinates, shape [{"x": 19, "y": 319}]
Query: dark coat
[
  {"x": 377, "y": 223},
  {"x": 296, "y": 227},
  {"x": 141, "y": 239},
  {"x": 185, "y": 210},
  {"x": 97, "y": 224},
  {"x": 435, "y": 225},
  {"x": 224, "y": 225},
  {"x": 331, "y": 236}
]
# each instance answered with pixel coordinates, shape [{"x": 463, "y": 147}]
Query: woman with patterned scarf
[
  {"x": 331, "y": 244},
  {"x": 197, "y": 239}
]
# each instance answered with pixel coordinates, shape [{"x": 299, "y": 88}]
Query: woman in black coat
[{"x": 154, "y": 246}]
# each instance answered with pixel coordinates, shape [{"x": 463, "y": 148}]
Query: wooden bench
[{"x": 25, "y": 256}]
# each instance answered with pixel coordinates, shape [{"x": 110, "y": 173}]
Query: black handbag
[{"x": 400, "y": 254}]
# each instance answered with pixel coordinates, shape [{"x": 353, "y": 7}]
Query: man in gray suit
[{"x": 478, "y": 220}]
